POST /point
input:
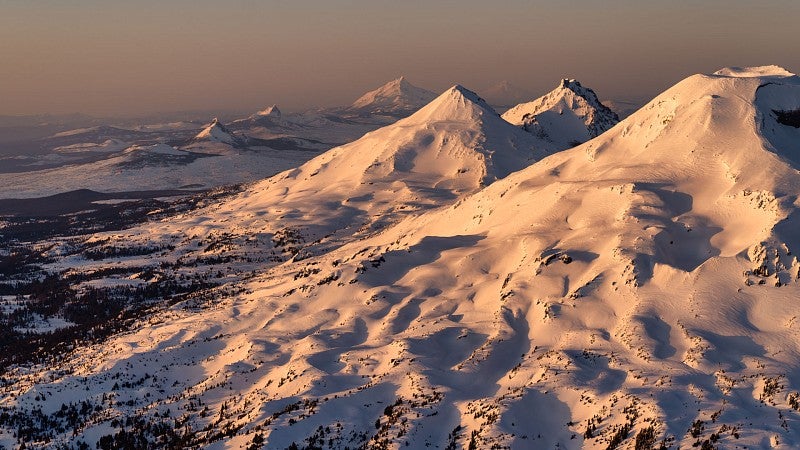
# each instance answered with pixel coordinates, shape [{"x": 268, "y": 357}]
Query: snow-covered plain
[{"x": 442, "y": 282}]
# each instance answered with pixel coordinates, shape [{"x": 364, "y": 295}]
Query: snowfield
[{"x": 454, "y": 281}]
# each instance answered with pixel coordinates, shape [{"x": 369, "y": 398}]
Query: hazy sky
[{"x": 133, "y": 57}]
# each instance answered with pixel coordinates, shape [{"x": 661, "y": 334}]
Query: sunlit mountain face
[{"x": 415, "y": 271}]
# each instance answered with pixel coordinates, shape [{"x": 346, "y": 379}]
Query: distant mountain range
[{"x": 111, "y": 158}]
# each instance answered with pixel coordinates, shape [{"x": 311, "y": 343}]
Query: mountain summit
[
  {"x": 218, "y": 133},
  {"x": 569, "y": 114},
  {"x": 395, "y": 98},
  {"x": 272, "y": 112},
  {"x": 455, "y": 104}
]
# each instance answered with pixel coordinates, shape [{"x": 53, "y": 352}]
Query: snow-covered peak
[
  {"x": 457, "y": 131},
  {"x": 272, "y": 111},
  {"x": 569, "y": 114},
  {"x": 398, "y": 83},
  {"x": 267, "y": 118},
  {"x": 395, "y": 97},
  {"x": 217, "y": 132},
  {"x": 461, "y": 94},
  {"x": 751, "y": 72},
  {"x": 458, "y": 104}
]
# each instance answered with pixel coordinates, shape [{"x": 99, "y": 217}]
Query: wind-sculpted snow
[{"x": 637, "y": 291}]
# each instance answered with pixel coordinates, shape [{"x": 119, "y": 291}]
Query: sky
[{"x": 123, "y": 58}]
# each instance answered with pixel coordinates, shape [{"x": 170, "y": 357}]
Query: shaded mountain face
[
  {"x": 637, "y": 289},
  {"x": 395, "y": 98},
  {"x": 272, "y": 112},
  {"x": 569, "y": 115}
]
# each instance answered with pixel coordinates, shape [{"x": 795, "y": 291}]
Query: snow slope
[
  {"x": 567, "y": 115},
  {"x": 107, "y": 146},
  {"x": 637, "y": 288}
]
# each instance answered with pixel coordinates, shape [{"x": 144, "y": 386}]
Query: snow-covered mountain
[
  {"x": 117, "y": 167},
  {"x": 272, "y": 112},
  {"x": 216, "y": 132},
  {"x": 586, "y": 117},
  {"x": 452, "y": 147},
  {"x": 395, "y": 98},
  {"x": 637, "y": 291},
  {"x": 640, "y": 285},
  {"x": 270, "y": 118}
]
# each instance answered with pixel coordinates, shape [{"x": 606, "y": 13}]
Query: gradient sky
[{"x": 114, "y": 57}]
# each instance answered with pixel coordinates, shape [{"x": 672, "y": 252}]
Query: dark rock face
[{"x": 790, "y": 118}]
